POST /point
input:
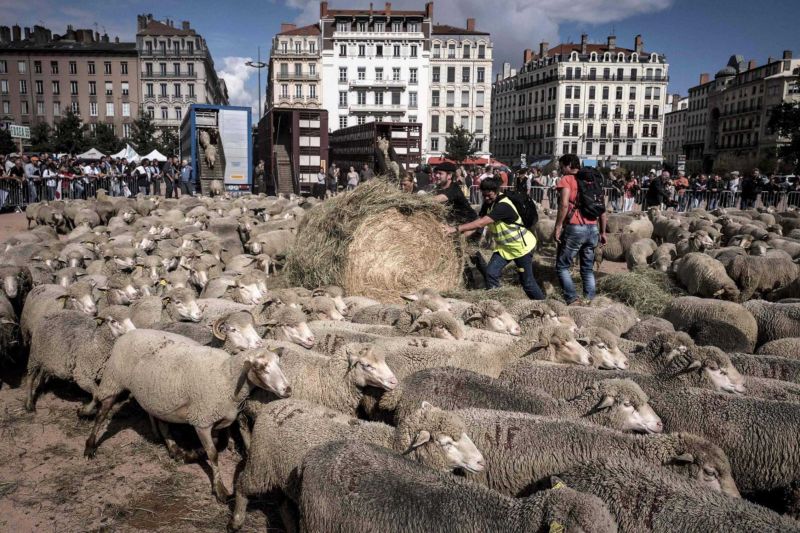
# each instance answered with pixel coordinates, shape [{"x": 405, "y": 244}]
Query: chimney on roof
[
  {"x": 544, "y": 46},
  {"x": 16, "y": 31},
  {"x": 704, "y": 77},
  {"x": 770, "y": 59},
  {"x": 612, "y": 42},
  {"x": 286, "y": 26},
  {"x": 527, "y": 55},
  {"x": 751, "y": 64},
  {"x": 140, "y": 22},
  {"x": 388, "y": 9},
  {"x": 638, "y": 44},
  {"x": 584, "y": 44},
  {"x": 185, "y": 25},
  {"x": 116, "y": 39},
  {"x": 323, "y": 9},
  {"x": 5, "y": 34},
  {"x": 470, "y": 24},
  {"x": 429, "y": 10},
  {"x": 97, "y": 36},
  {"x": 27, "y": 33},
  {"x": 675, "y": 99},
  {"x": 787, "y": 54},
  {"x": 104, "y": 38}
]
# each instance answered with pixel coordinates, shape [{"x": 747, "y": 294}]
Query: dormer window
[{"x": 593, "y": 56}]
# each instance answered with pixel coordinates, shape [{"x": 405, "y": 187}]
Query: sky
[{"x": 696, "y": 36}]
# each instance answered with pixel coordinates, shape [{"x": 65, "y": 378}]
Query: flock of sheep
[{"x": 437, "y": 414}]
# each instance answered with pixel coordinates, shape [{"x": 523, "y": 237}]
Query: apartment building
[
  {"x": 176, "y": 70},
  {"x": 460, "y": 84},
  {"x": 375, "y": 65},
  {"x": 675, "y": 129},
  {"x": 294, "y": 68},
  {"x": 42, "y": 75},
  {"x": 603, "y": 102}
]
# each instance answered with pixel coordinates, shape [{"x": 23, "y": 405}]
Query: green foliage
[
  {"x": 42, "y": 137},
  {"x": 105, "y": 140},
  {"x": 7, "y": 144},
  {"x": 460, "y": 144},
  {"x": 143, "y": 136},
  {"x": 785, "y": 121},
  {"x": 69, "y": 135},
  {"x": 168, "y": 141}
]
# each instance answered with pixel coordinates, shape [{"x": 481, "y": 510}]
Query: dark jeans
[
  {"x": 187, "y": 187},
  {"x": 524, "y": 268},
  {"x": 577, "y": 239},
  {"x": 748, "y": 203},
  {"x": 168, "y": 186}
]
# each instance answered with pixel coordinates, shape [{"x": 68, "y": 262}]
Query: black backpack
[
  {"x": 591, "y": 201},
  {"x": 525, "y": 207}
]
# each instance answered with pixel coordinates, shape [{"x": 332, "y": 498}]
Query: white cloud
[
  {"x": 514, "y": 24},
  {"x": 237, "y": 75}
]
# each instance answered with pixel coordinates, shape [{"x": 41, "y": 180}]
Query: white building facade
[
  {"x": 461, "y": 74},
  {"x": 176, "y": 71},
  {"x": 375, "y": 65},
  {"x": 295, "y": 68},
  {"x": 675, "y": 129},
  {"x": 600, "y": 101}
]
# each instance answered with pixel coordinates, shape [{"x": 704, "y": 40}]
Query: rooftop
[
  {"x": 312, "y": 29},
  {"x": 41, "y": 39},
  {"x": 444, "y": 29}
]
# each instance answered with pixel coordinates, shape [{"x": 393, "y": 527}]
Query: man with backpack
[
  {"x": 580, "y": 224},
  {"x": 510, "y": 218}
]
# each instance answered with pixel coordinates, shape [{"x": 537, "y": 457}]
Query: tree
[
  {"x": 69, "y": 134},
  {"x": 785, "y": 121},
  {"x": 105, "y": 140},
  {"x": 168, "y": 142},
  {"x": 143, "y": 137},
  {"x": 7, "y": 144},
  {"x": 460, "y": 144},
  {"x": 41, "y": 137}
]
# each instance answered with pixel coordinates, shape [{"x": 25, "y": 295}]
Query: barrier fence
[{"x": 616, "y": 200}]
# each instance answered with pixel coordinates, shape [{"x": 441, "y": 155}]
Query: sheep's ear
[
  {"x": 281, "y": 351},
  {"x": 584, "y": 341},
  {"x": 410, "y": 297},
  {"x": 99, "y": 320},
  {"x": 421, "y": 323},
  {"x": 605, "y": 403},
  {"x": 4, "y": 320},
  {"x": 684, "y": 458},
  {"x": 426, "y": 405},
  {"x": 219, "y": 329},
  {"x": 535, "y": 313},
  {"x": 694, "y": 365},
  {"x": 421, "y": 438},
  {"x": 165, "y": 299},
  {"x": 63, "y": 297}
]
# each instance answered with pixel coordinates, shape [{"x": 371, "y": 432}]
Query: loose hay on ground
[
  {"x": 376, "y": 241},
  {"x": 646, "y": 290}
]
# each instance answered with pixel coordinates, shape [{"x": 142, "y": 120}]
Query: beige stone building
[
  {"x": 176, "y": 70},
  {"x": 675, "y": 129},
  {"x": 42, "y": 75},
  {"x": 294, "y": 68}
]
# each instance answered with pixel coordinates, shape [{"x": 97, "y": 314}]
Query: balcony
[
  {"x": 610, "y": 138},
  {"x": 530, "y": 137},
  {"x": 290, "y": 76},
  {"x": 745, "y": 110},
  {"x": 366, "y": 84},
  {"x": 571, "y": 116},
  {"x": 378, "y": 108},
  {"x": 650, "y": 117},
  {"x": 288, "y": 53},
  {"x": 171, "y": 52},
  {"x": 170, "y": 75},
  {"x": 304, "y": 101},
  {"x": 379, "y": 35}
]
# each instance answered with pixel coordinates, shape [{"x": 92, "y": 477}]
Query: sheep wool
[{"x": 727, "y": 325}]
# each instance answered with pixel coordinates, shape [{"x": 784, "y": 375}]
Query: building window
[
  {"x": 56, "y": 109},
  {"x": 109, "y": 109},
  {"x": 437, "y": 51},
  {"x": 361, "y": 120},
  {"x": 312, "y": 91},
  {"x": 178, "y": 113},
  {"x": 479, "y": 99},
  {"x": 435, "y": 98},
  {"x": 148, "y": 69},
  {"x": 589, "y": 148},
  {"x": 164, "y": 113},
  {"x": 481, "y": 74},
  {"x": 23, "y": 87},
  {"x": 126, "y": 109},
  {"x": 73, "y": 87},
  {"x": 379, "y": 27},
  {"x": 39, "y": 87},
  {"x": 163, "y": 89},
  {"x": 37, "y": 69},
  {"x": 379, "y": 73},
  {"x": 125, "y": 88},
  {"x": 190, "y": 69},
  {"x": 451, "y": 98},
  {"x": 298, "y": 91},
  {"x": 412, "y": 100},
  {"x": 284, "y": 90},
  {"x": 163, "y": 67},
  {"x": 3, "y": 66},
  {"x": 73, "y": 67},
  {"x": 92, "y": 88},
  {"x": 413, "y": 50},
  {"x": 397, "y": 27},
  {"x": 22, "y": 67},
  {"x": 342, "y": 50},
  {"x": 395, "y": 97},
  {"x": 362, "y": 50},
  {"x": 434, "y": 144},
  {"x": 54, "y": 67},
  {"x": 149, "y": 90},
  {"x": 123, "y": 66},
  {"x": 451, "y": 74},
  {"x": 379, "y": 50},
  {"x": 412, "y": 76},
  {"x": 151, "y": 112},
  {"x": 126, "y": 130},
  {"x": 395, "y": 73},
  {"x": 448, "y": 123},
  {"x": 465, "y": 51},
  {"x": 92, "y": 109},
  {"x": 435, "y": 123},
  {"x": 464, "y": 98},
  {"x": 379, "y": 97},
  {"x": 342, "y": 74},
  {"x": 107, "y": 67},
  {"x": 191, "y": 90},
  {"x": 396, "y": 50},
  {"x": 362, "y": 73},
  {"x": 75, "y": 107},
  {"x": 24, "y": 107},
  {"x": 465, "y": 121},
  {"x": 465, "y": 74},
  {"x": 343, "y": 121},
  {"x": 312, "y": 47},
  {"x": 109, "y": 88},
  {"x": 298, "y": 69},
  {"x": 602, "y": 149},
  {"x": 482, "y": 51},
  {"x": 3, "y": 86},
  {"x": 435, "y": 74},
  {"x": 342, "y": 98},
  {"x": 479, "y": 124}
]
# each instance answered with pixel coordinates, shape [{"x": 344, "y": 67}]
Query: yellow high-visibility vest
[{"x": 511, "y": 240}]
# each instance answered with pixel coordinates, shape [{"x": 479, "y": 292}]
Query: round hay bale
[{"x": 376, "y": 241}]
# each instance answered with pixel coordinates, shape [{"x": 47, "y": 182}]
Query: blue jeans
[
  {"x": 524, "y": 269},
  {"x": 577, "y": 239}
]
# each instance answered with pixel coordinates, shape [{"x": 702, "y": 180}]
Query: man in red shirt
[{"x": 574, "y": 233}]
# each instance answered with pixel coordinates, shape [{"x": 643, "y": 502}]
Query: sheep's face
[
  {"x": 75, "y": 261},
  {"x": 440, "y": 440},
  {"x": 11, "y": 286},
  {"x": 255, "y": 247},
  {"x": 621, "y": 405},
  {"x": 369, "y": 368},
  {"x": 638, "y": 418},
  {"x": 662, "y": 264},
  {"x": 265, "y": 372},
  {"x": 128, "y": 216},
  {"x": 250, "y": 293},
  {"x": 118, "y": 326},
  {"x": 83, "y": 303},
  {"x": 604, "y": 355},
  {"x": 569, "y": 351},
  {"x": 199, "y": 277},
  {"x": 124, "y": 262},
  {"x": 123, "y": 296},
  {"x": 703, "y": 240},
  {"x": 146, "y": 244},
  {"x": 184, "y": 306},
  {"x": 705, "y": 463},
  {"x": 238, "y": 331},
  {"x": 430, "y": 299},
  {"x": 298, "y": 333},
  {"x": 724, "y": 377}
]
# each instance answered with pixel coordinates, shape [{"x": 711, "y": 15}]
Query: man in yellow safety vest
[{"x": 513, "y": 242}]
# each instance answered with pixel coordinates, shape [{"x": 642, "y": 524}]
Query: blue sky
[{"x": 697, "y": 36}]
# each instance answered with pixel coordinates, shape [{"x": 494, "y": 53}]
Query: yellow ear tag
[
  {"x": 559, "y": 485},
  {"x": 555, "y": 527},
  {"x": 162, "y": 282}
]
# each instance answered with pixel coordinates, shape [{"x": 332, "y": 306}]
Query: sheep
[
  {"x": 355, "y": 303},
  {"x": 120, "y": 289},
  {"x": 603, "y": 347},
  {"x": 727, "y": 325},
  {"x": 775, "y": 320},
  {"x": 321, "y": 308},
  {"x": 522, "y": 449},
  {"x": 645, "y": 330},
  {"x": 176, "y": 305},
  {"x": 215, "y": 188},
  {"x": 642, "y": 498},
  {"x": 16, "y": 282},
  {"x": 613, "y": 403},
  {"x": 767, "y": 366},
  {"x": 429, "y": 435},
  {"x": 352, "y": 486},
  {"x": 275, "y": 244},
  {"x": 67, "y": 276},
  {"x": 390, "y": 315},
  {"x": 699, "y": 241},
  {"x": 788, "y": 347},
  {"x": 182, "y": 383},
  {"x": 336, "y": 293},
  {"x": 663, "y": 257},
  {"x": 761, "y": 274},
  {"x": 533, "y": 315},
  {"x": 429, "y": 298},
  {"x": 704, "y": 276},
  {"x": 9, "y": 330},
  {"x": 44, "y": 299},
  {"x": 490, "y": 315},
  {"x": 204, "y": 138},
  {"x": 233, "y": 332},
  {"x": 211, "y": 155},
  {"x": 69, "y": 345},
  {"x": 616, "y": 318},
  {"x": 639, "y": 253}
]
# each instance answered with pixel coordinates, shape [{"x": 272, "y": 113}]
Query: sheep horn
[
  {"x": 218, "y": 328},
  {"x": 694, "y": 365},
  {"x": 421, "y": 438}
]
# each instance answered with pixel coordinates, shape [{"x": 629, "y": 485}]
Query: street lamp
[{"x": 258, "y": 65}]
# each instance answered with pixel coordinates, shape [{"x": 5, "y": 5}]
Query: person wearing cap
[
  {"x": 512, "y": 240},
  {"x": 449, "y": 192}
]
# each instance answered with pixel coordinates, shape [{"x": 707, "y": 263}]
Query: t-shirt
[
  {"x": 569, "y": 182},
  {"x": 460, "y": 210},
  {"x": 16, "y": 171},
  {"x": 501, "y": 212}
]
